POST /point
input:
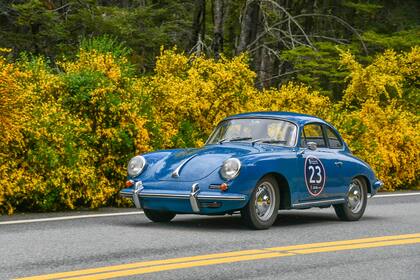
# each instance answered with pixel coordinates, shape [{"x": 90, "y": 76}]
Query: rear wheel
[
  {"x": 159, "y": 216},
  {"x": 263, "y": 206},
  {"x": 356, "y": 200}
]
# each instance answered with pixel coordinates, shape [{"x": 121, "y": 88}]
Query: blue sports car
[{"x": 255, "y": 163}]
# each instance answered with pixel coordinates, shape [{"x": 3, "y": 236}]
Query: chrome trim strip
[
  {"x": 216, "y": 197},
  {"x": 193, "y": 198},
  {"x": 178, "y": 169},
  {"x": 164, "y": 195},
  {"x": 126, "y": 194},
  {"x": 315, "y": 203}
]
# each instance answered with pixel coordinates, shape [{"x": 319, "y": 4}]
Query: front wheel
[
  {"x": 263, "y": 206},
  {"x": 356, "y": 200},
  {"x": 159, "y": 216}
]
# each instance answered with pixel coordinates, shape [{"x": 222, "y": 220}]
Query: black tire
[
  {"x": 159, "y": 216},
  {"x": 251, "y": 215},
  {"x": 348, "y": 211}
]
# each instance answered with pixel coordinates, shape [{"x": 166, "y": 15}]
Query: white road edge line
[
  {"x": 139, "y": 212},
  {"x": 70, "y": 218},
  {"x": 395, "y": 195}
]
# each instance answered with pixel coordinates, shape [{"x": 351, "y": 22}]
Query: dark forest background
[{"x": 286, "y": 40}]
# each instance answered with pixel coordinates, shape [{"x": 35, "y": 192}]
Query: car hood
[{"x": 194, "y": 164}]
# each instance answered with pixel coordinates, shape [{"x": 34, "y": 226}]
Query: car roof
[{"x": 297, "y": 118}]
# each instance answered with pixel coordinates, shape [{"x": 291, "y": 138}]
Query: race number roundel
[{"x": 314, "y": 175}]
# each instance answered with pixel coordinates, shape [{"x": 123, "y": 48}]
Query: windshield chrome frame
[{"x": 262, "y": 117}]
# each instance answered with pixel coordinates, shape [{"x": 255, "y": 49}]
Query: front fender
[{"x": 151, "y": 159}]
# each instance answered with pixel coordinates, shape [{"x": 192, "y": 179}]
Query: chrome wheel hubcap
[
  {"x": 265, "y": 201},
  {"x": 355, "y": 196}
]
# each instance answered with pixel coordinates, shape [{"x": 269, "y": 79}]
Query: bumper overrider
[
  {"x": 196, "y": 199},
  {"x": 376, "y": 186}
]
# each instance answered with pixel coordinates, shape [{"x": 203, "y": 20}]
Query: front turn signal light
[
  {"x": 223, "y": 187},
  {"x": 129, "y": 183}
]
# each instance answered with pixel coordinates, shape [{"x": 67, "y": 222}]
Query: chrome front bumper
[{"x": 194, "y": 196}]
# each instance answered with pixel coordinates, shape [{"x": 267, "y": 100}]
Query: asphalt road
[{"x": 44, "y": 247}]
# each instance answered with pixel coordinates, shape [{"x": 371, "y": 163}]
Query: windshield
[{"x": 255, "y": 130}]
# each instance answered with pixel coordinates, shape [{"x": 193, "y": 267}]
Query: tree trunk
[
  {"x": 218, "y": 19},
  {"x": 198, "y": 25},
  {"x": 249, "y": 25}
]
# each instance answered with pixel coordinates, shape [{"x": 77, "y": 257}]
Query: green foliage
[
  {"x": 382, "y": 25},
  {"x": 106, "y": 44},
  {"x": 320, "y": 68},
  {"x": 402, "y": 40},
  {"x": 369, "y": 8},
  {"x": 55, "y": 28}
]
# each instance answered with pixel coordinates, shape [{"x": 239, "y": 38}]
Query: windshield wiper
[
  {"x": 234, "y": 139},
  {"x": 240, "y": 139},
  {"x": 269, "y": 141}
]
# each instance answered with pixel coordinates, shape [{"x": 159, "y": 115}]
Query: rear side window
[
  {"x": 333, "y": 139},
  {"x": 313, "y": 133}
]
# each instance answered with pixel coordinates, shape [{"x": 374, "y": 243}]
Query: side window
[
  {"x": 333, "y": 140},
  {"x": 313, "y": 133}
]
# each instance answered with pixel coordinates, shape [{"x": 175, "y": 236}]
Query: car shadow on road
[{"x": 287, "y": 219}]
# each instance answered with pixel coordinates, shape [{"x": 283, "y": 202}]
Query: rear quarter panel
[{"x": 355, "y": 167}]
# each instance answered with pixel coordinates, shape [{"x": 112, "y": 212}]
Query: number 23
[{"x": 317, "y": 169}]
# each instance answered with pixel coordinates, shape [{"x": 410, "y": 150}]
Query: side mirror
[{"x": 312, "y": 146}]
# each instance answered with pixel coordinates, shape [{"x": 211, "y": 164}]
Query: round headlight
[
  {"x": 230, "y": 168},
  {"x": 136, "y": 166}
]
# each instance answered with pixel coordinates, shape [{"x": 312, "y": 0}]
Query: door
[
  {"x": 336, "y": 149},
  {"x": 318, "y": 168}
]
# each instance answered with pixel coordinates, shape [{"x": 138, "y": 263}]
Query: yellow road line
[
  {"x": 344, "y": 242},
  {"x": 145, "y": 270},
  {"x": 140, "y": 264},
  {"x": 181, "y": 265},
  {"x": 357, "y": 246},
  {"x": 202, "y": 260}
]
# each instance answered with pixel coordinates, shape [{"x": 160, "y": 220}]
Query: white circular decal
[{"x": 314, "y": 175}]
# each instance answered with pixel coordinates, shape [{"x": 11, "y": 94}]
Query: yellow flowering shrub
[
  {"x": 66, "y": 134},
  {"x": 92, "y": 60},
  {"x": 190, "y": 95},
  {"x": 83, "y": 127},
  {"x": 379, "y": 115},
  {"x": 12, "y": 98},
  {"x": 388, "y": 139},
  {"x": 293, "y": 98},
  {"x": 391, "y": 76}
]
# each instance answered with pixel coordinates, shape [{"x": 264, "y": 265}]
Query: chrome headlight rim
[
  {"x": 136, "y": 166},
  {"x": 232, "y": 173}
]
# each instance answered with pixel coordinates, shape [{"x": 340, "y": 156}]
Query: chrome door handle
[
  {"x": 338, "y": 163},
  {"x": 301, "y": 152}
]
